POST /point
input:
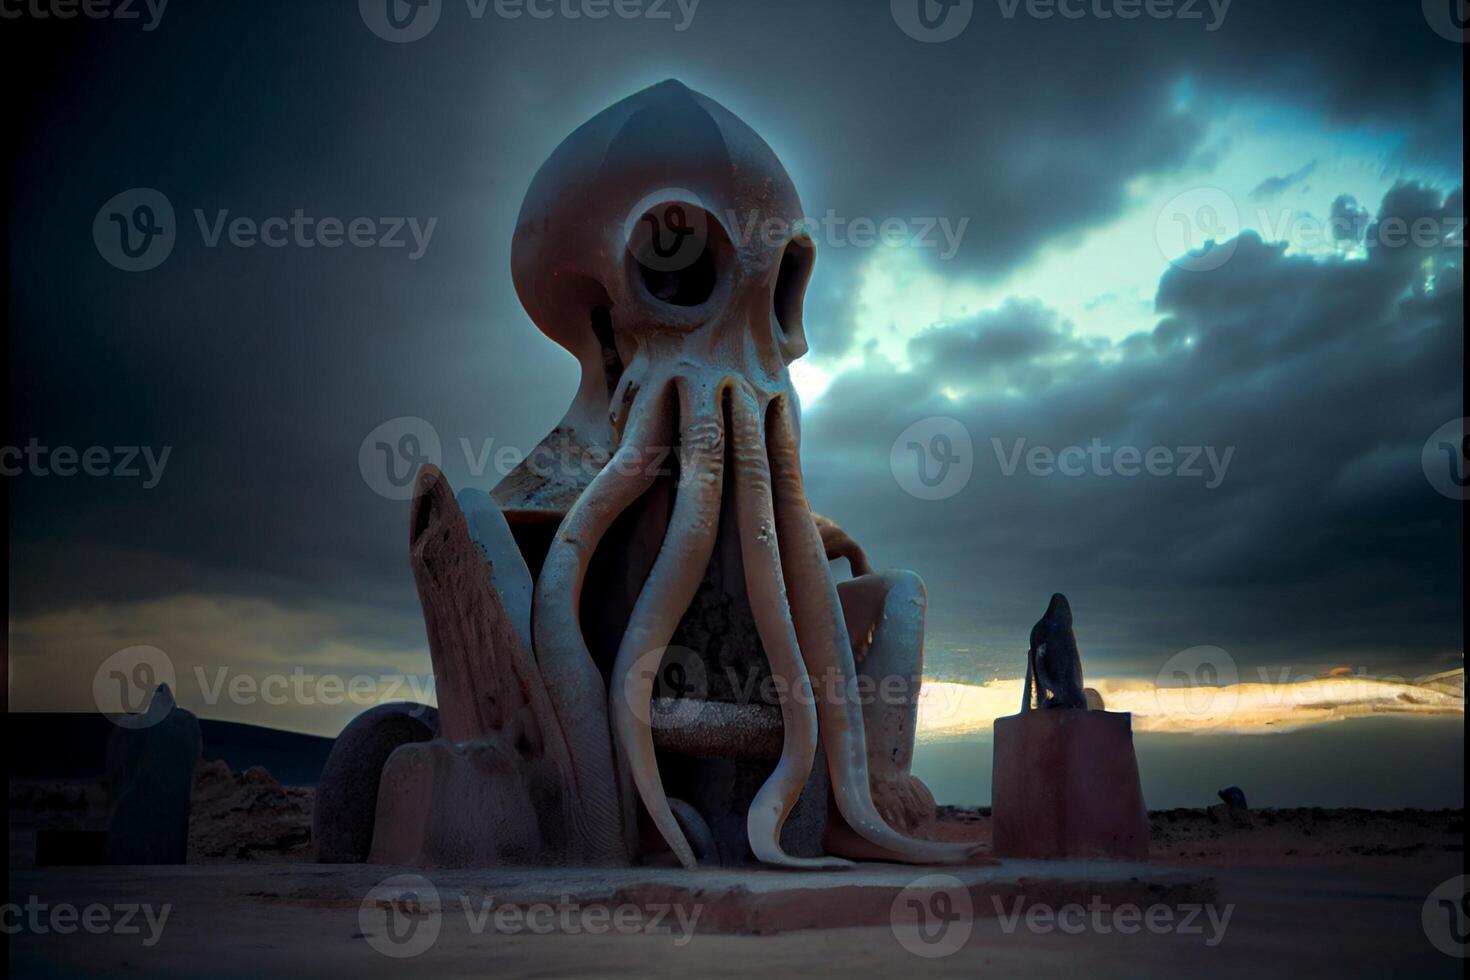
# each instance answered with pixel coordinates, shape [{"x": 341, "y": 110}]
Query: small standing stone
[
  {"x": 151, "y": 770},
  {"x": 1235, "y": 811}
]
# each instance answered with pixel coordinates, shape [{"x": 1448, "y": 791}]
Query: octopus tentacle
[
  {"x": 697, "y": 830},
  {"x": 666, "y": 596},
  {"x": 764, "y": 584},
  {"x": 817, "y": 614},
  {"x": 571, "y": 676}
]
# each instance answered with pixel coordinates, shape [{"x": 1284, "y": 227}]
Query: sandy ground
[
  {"x": 1296, "y": 893},
  {"x": 1357, "y": 920}
]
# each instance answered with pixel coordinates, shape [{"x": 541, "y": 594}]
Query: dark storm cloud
[
  {"x": 1272, "y": 186},
  {"x": 264, "y": 368},
  {"x": 1023, "y": 345},
  {"x": 1348, "y": 219},
  {"x": 1315, "y": 383}
]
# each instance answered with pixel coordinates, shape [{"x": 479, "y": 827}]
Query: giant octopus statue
[{"x": 638, "y": 642}]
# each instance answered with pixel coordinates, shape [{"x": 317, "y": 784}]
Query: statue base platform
[{"x": 1066, "y": 785}]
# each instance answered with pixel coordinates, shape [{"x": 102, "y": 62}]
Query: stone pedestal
[{"x": 1066, "y": 785}]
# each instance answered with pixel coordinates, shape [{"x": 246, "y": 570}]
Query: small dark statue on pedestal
[
  {"x": 1065, "y": 783},
  {"x": 1053, "y": 666}
]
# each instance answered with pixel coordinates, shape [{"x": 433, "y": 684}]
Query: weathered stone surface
[
  {"x": 1065, "y": 785},
  {"x": 492, "y": 699},
  {"x": 744, "y": 732},
  {"x": 510, "y": 578},
  {"x": 347, "y": 792},
  {"x": 482, "y": 671},
  {"x": 151, "y": 770},
  {"x": 885, "y": 615},
  {"x": 471, "y": 805}
]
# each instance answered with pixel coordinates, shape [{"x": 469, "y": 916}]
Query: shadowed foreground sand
[
  {"x": 1298, "y": 893},
  {"x": 1357, "y": 919}
]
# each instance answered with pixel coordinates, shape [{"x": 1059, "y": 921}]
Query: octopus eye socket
[
  {"x": 797, "y": 263},
  {"x": 677, "y": 251}
]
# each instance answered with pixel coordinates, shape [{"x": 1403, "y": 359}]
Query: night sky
[{"x": 1194, "y": 234}]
